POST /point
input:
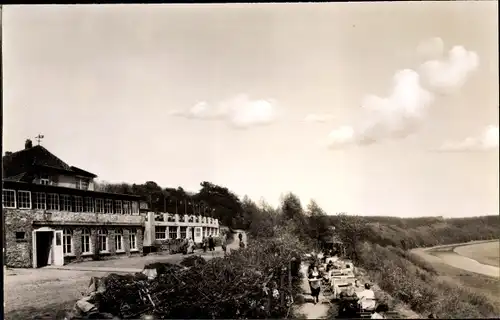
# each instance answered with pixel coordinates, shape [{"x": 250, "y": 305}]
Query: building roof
[
  {"x": 21, "y": 164},
  {"x": 17, "y": 185}
]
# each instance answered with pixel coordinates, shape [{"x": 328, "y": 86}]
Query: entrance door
[{"x": 58, "y": 253}]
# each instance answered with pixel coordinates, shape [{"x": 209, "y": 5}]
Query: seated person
[
  {"x": 367, "y": 298},
  {"x": 380, "y": 311},
  {"x": 348, "y": 293},
  {"x": 357, "y": 286}
]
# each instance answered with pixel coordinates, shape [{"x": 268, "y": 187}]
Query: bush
[
  {"x": 193, "y": 261},
  {"x": 229, "y": 287}
]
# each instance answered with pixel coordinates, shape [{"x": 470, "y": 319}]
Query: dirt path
[{"x": 308, "y": 309}]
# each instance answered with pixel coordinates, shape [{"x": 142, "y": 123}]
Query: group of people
[
  {"x": 208, "y": 243},
  {"x": 357, "y": 297}
]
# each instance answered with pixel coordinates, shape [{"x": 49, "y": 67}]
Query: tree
[
  {"x": 224, "y": 204},
  {"x": 318, "y": 223}
]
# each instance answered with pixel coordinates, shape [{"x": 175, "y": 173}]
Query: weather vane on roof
[{"x": 39, "y": 138}]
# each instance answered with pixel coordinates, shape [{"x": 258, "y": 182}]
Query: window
[
  {"x": 172, "y": 232},
  {"x": 82, "y": 184},
  {"x": 86, "y": 242},
  {"x": 132, "y": 238},
  {"x": 118, "y": 240},
  {"x": 24, "y": 199},
  {"x": 45, "y": 180},
  {"x": 52, "y": 201},
  {"x": 198, "y": 232},
  {"x": 126, "y": 207},
  {"x": 135, "y": 207},
  {"x": 160, "y": 232},
  {"x": 20, "y": 235},
  {"x": 108, "y": 206},
  {"x": 89, "y": 204},
  {"x": 99, "y": 205},
  {"x": 102, "y": 240},
  {"x": 67, "y": 241},
  {"x": 118, "y": 207},
  {"x": 65, "y": 202},
  {"x": 40, "y": 201},
  {"x": 8, "y": 198},
  {"x": 78, "y": 204},
  {"x": 183, "y": 232}
]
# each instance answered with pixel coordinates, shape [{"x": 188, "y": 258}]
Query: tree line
[{"x": 311, "y": 223}]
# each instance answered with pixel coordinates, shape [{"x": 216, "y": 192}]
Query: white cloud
[
  {"x": 486, "y": 140},
  {"x": 239, "y": 112},
  {"x": 394, "y": 116},
  {"x": 450, "y": 74},
  {"x": 400, "y": 113},
  {"x": 321, "y": 118}
]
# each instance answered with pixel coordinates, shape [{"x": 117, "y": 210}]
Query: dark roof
[
  {"x": 27, "y": 161},
  {"x": 82, "y": 172}
]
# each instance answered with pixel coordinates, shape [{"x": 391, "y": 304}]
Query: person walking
[
  {"x": 315, "y": 283},
  {"x": 224, "y": 243},
  {"x": 211, "y": 244},
  {"x": 204, "y": 244}
]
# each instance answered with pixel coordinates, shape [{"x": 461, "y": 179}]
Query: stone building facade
[{"x": 53, "y": 216}]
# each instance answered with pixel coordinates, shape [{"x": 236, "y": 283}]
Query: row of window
[
  {"x": 165, "y": 232},
  {"x": 63, "y": 202},
  {"x": 102, "y": 241},
  {"x": 184, "y": 218}
]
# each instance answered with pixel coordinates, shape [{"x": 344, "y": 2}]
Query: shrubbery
[
  {"x": 413, "y": 281},
  {"x": 229, "y": 287}
]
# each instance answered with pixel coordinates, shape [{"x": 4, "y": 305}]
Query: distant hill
[{"x": 407, "y": 233}]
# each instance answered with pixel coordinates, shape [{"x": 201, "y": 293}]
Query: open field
[{"x": 486, "y": 253}]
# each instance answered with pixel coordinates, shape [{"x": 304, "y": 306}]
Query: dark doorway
[
  {"x": 43, "y": 246},
  {"x": 192, "y": 233}
]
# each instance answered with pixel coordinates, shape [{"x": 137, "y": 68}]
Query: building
[
  {"x": 167, "y": 226},
  {"x": 53, "y": 215}
]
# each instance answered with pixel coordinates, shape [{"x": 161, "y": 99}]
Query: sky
[{"x": 368, "y": 108}]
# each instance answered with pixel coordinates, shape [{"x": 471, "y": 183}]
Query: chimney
[{"x": 28, "y": 144}]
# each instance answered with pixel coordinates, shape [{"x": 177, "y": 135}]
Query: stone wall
[{"x": 18, "y": 253}]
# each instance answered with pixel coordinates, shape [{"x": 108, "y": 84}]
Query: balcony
[
  {"x": 85, "y": 218},
  {"x": 185, "y": 220}
]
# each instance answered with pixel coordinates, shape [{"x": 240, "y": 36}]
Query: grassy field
[{"x": 485, "y": 253}]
